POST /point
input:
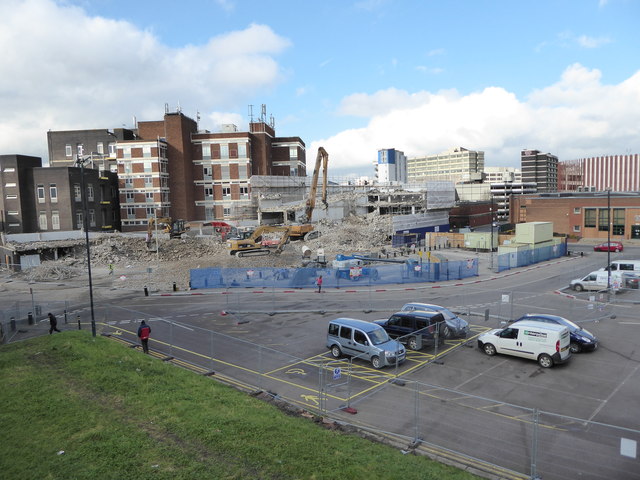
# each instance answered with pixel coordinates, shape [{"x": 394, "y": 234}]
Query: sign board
[
  {"x": 355, "y": 272},
  {"x": 505, "y": 298},
  {"x": 337, "y": 373}
]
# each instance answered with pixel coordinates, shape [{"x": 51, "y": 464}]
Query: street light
[
  {"x": 80, "y": 162},
  {"x": 608, "y": 239}
]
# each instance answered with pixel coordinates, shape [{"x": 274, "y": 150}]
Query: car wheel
[
  {"x": 545, "y": 361},
  {"x": 336, "y": 352},
  {"x": 375, "y": 362},
  {"x": 489, "y": 349},
  {"x": 446, "y": 332},
  {"x": 574, "y": 347},
  {"x": 617, "y": 250},
  {"x": 577, "y": 287},
  {"x": 413, "y": 343}
]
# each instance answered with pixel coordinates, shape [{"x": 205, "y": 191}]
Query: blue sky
[{"x": 352, "y": 76}]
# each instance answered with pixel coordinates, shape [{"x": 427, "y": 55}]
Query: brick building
[
  {"x": 582, "y": 214},
  {"x": 619, "y": 173}
]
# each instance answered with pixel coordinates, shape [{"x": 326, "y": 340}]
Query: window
[
  {"x": 112, "y": 149},
  {"x": 68, "y": 151},
  {"x": 589, "y": 218},
  {"x": 79, "y": 224},
  {"x": 128, "y": 182},
  {"x": 80, "y": 149},
  {"x": 225, "y": 172},
  {"x": 40, "y": 193},
  {"x": 576, "y": 210},
  {"x": 13, "y": 212},
  {"x": 208, "y": 192},
  {"x": 603, "y": 219},
  {"x": 9, "y": 170},
  {"x": 55, "y": 220},
  {"x": 244, "y": 191},
  {"x": 129, "y": 197},
  {"x": 126, "y": 152},
  {"x": 148, "y": 181},
  {"x": 100, "y": 147},
  {"x": 226, "y": 211},
  {"x": 207, "y": 172},
  {"x": 148, "y": 196},
  {"x": 576, "y": 228},
  {"x": 146, "y": 152},
  {"x": 345, "y": 332},
  {"x": 242, "y": 150},
  {"x": 224, "y": 151},
  {"x": 11, "y": 184},
  {"x": 226, "y": 191},
  {"x": 90, "y": 192},
  {"x": 42, "y": 220},
  {"x": 151, "y": 211},
  {"x": 131, "y": 212},
  {"x": 618, "y": 221},
  {"x": 209, "y": 213},
  {"x": 53, "y": 192},
  {"x": 206, "y": 151},
  {"x": 147, "y": 167},
  {"x": 92, "y": 218},
  {"x": 11, "y": 197},
  {"x": 360, "y": 337},
  {"x": 127, "y": 167},
  {"x": 293, "y": 153}
]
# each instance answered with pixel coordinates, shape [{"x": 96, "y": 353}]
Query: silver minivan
[{"x": 365, "y": 340}]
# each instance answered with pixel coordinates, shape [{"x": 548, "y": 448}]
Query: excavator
[
  {"x": 254, "y": 246},
  {"x": 175, "y": 228},
  {"x": 305, "y": 230}
]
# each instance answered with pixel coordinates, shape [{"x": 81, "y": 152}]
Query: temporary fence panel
[
  {"x": 378, "y": 274},
  {"x": 524, "y": 258}
]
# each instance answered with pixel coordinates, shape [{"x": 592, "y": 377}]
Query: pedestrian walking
[
  {"x": 319, "y": 283},
  {"x": 111, "y": 269},
  {"x": 144, "y": 331},
  {"x": 53, "y": 323}
]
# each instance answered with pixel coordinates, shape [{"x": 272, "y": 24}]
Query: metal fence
[
  {"x": 407, "y": 272},
  {"x": 522, "y": 258}
]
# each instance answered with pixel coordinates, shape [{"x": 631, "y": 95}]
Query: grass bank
[{"x": 119, "y": 414}]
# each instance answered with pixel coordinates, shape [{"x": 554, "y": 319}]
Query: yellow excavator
[
  {"x": 175, "y": 228},
  {"x": 305, "y": 230},
  {"x": 254, "y": 246}
]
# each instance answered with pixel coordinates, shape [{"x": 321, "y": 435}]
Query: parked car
[
  {"x": 455, "y": 326},
  {"x": 364, "y": 340},
  {"x": 631, "y": 280},
  {"x": 609, "y": 247},
  {"x": 581, "y": 340},
  {"x": 414, "y": 328},
  {"x": 546, "y": 343}
]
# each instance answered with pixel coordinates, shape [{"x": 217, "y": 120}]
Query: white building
[
  {"x": 391, "y": 166},
  {"x": 455, "y": 165}
]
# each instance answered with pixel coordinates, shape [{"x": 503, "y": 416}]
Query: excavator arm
[{"x": 321, "y": 159}]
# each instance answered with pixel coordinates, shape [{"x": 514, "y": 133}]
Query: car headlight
[
  {"x": 584, "y": 339},
  {"x": 389, "y": 354}
]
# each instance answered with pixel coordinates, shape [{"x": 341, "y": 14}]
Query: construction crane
[{"x": 254, "y": 246}]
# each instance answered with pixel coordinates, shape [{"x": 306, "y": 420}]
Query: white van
[
  {"x": 598, "y": 280},
  {"x": 546, "y": 343},
  {"x": 623, "y": 266}
]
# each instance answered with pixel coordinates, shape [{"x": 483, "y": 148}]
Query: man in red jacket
[{"x": 144, "y": 331}]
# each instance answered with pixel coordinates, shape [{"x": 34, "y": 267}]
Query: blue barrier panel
[
  {"x": 530, "y": 256},
  {"x": 367, "y": 275}
]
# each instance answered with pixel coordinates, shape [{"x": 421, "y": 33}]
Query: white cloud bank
[
  {"x": 576, "y": 117},
  {"x": 62, "y": 69}
]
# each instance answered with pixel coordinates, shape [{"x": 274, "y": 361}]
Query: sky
[{"x": 420, "y": 76}]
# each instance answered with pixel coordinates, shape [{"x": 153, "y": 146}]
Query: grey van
[{"x": 365, "y": 340}]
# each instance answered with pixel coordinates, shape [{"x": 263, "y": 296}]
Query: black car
[
  {"x": 415, "y": 328},
  {"x": 581, "y": 339}
]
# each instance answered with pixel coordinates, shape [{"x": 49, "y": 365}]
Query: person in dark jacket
[
  {"x": 53, "y": 323},
  {"x": 144, "y": 331}
]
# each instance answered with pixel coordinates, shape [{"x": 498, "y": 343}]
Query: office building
[
  {"x": 391, "y": 166},
  {"x": 541, "y": 168},
  {"x": 456, "y": 165}
]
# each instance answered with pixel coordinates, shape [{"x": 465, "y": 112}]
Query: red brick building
[{"x": 582, "y": 214}]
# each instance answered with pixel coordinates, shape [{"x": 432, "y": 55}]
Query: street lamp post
[
  {"x": 80, "y": 162},
  {"x": 609, "y": 239},
  {"x": 491, "y": 246}
]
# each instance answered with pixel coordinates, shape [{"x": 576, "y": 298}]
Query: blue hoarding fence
[
  {"x": 408, "y": 272},
  {"x": 530, "y": 256}
]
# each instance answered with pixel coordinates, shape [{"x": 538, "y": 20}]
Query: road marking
[
  {"x": 615, "y": 390},
  {"x": 311, "y": 398}
]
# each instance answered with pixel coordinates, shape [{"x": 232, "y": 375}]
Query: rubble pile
[
  {"x": 353, "y": 234},
  {"x": 51, "y": 271}
]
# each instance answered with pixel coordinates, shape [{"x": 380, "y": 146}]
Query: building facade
[
  {"x": 501, "y": 193},
  {"x": 540, "y": 168},
  {"x": 502, "y": 175},
  {"x": 618, "y": 173},
  {"x": 582, "y": 214},
  {"x": 43, "y": 199},
  {"x": 391, "y": 166},
  {"x": 456, "y": 165}
]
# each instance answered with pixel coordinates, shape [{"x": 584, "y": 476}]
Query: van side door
[
  {"x": 346, "y": 342},
  {"x": 361, "y": 344},
  {"x": 507, "y": 341},
  {"x": 396, "y": 326}
]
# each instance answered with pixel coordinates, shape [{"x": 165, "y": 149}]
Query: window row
[
  {"x": 599, "y": 217},
  {"x": 68, "y": 150},
  {"x": 224, "y": 151}
]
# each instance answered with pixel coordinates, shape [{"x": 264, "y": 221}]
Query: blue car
[
  {"x": 581, "y": 340},
  {"x": 455, "y": 326}
]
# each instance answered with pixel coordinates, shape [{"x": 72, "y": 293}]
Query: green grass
[{"x": 119, "y": 414}]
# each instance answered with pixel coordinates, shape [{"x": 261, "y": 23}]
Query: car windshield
[
  {"x": 378, "y": 336},
  {"x": 448, "y": 315}
]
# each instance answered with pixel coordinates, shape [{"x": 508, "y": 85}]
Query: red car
[{"x": 608, "y": 247}]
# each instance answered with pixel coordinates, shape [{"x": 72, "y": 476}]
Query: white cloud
[
  {"x": 592, "y": 42},
  {"x": 63, "y": 69},
  {"x": 576, "y": 117}
]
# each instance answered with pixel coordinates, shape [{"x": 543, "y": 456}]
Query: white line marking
[{"x": 615, "y": 390}]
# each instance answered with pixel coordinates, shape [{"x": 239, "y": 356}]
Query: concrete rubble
[{"x": 135, "y": 264}]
